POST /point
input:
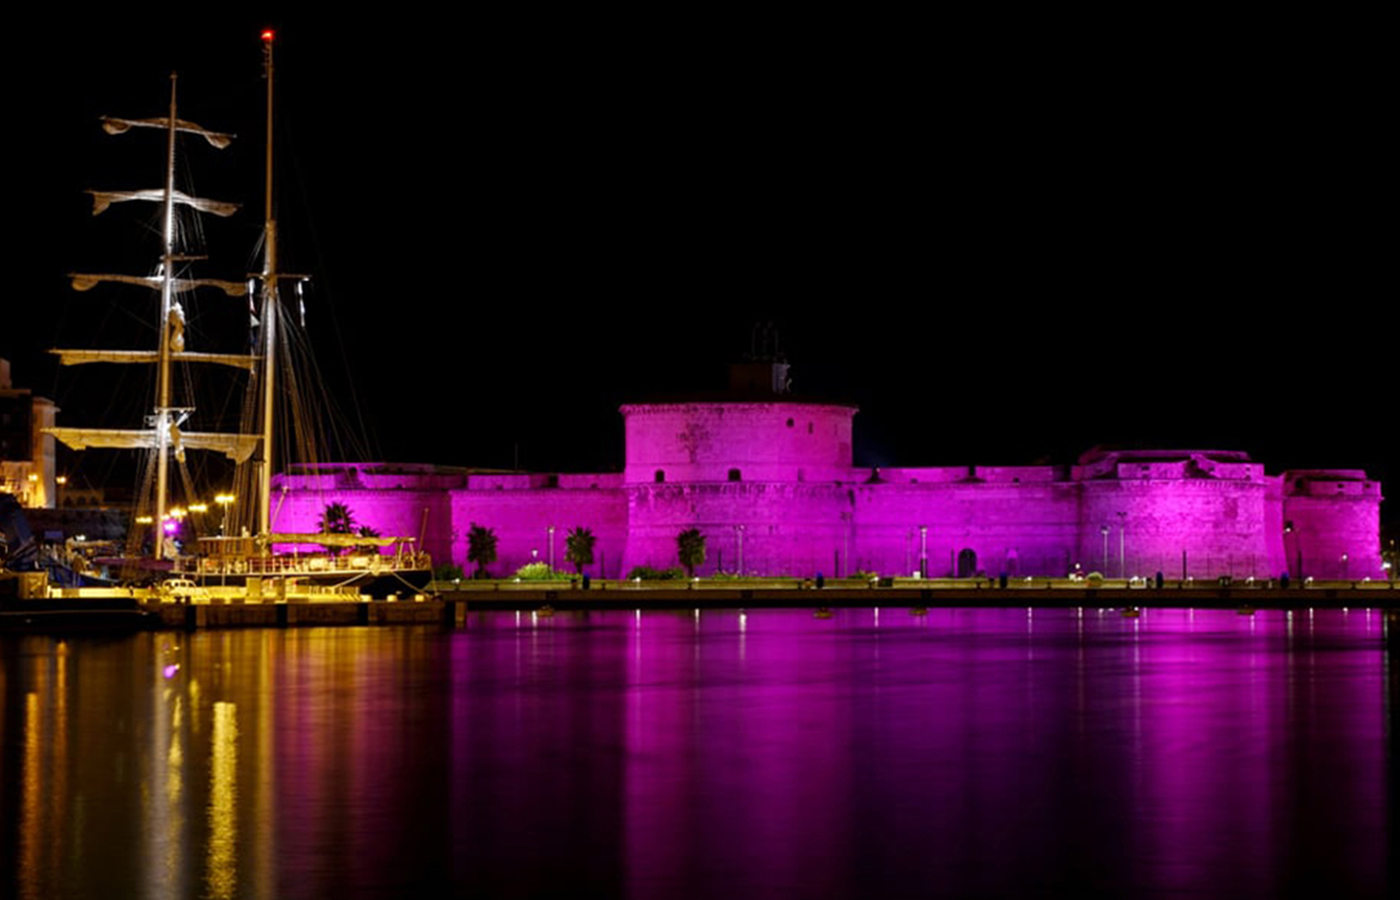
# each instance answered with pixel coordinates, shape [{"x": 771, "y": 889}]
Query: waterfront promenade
[{"x": 453, "y": 601}]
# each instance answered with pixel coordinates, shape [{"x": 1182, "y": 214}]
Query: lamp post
[
  {"x": 201, "y": 509},
  {"x": 1122, "y": 545},
  {"x": 739, "y": 547},
  {"x": 551, "y": 548},
  {"x": 923, "y": 551},
  {"x": 1104, "y": 532},
  {"x": 223, "y": 500}
]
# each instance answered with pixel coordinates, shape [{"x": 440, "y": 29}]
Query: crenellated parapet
[{"x": 772, "y": 488}]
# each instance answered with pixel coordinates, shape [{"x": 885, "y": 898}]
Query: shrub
[
  {"x": 538, "y": 571},
  {"x": 647, "y": 573},
  {"x": 447, "y": 572}
]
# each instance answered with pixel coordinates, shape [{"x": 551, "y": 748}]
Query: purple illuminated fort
[{"x": 769, "y": 480}]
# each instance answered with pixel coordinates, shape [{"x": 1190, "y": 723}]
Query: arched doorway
[{"x": 967, "y": 562}]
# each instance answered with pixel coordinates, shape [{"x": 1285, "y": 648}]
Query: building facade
[
  {"x": 771, "y": 484},
  {"x": 26, "y": 454}
]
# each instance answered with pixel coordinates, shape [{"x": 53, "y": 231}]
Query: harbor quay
[
  {"x": 451, "y": 607},
  {"x": 766, "y": 481}
]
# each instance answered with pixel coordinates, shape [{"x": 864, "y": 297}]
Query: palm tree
[
  {"x": 337, "y": 518},
  {"x": 690, "y": 548},
  {"x": 481, "y": 548},
  {"x": 578, "y": 547}
]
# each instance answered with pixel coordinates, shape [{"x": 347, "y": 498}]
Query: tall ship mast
[
  {"x": 270, "y": 310},
  {"x": 163, "y": 434},
  {"x": 363, "y": 560}
]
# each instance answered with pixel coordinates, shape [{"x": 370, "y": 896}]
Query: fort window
[
  {"x": 734, "y": 475},
  {"x": 809, "y": 427},
  {"x": 790, "y": 423},
  {"x": 552, "y": 481},
  {"x": 660, "y": 475}
]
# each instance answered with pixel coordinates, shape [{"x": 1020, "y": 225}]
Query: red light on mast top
[{"x": 267, "y": 35}]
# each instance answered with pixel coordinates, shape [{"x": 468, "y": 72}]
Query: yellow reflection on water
[
  {"x": 174, "y": 761},
  {"x": 58, "y": 754},
  {"x": 29, "y": 824},
  {"x": 221, "y": 875},
  {"x": 163, "y": 788}
]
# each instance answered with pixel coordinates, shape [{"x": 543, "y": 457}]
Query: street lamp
[
  {"x": 1104, "y": 531},
  {"x": 551, "y": 548},
  {"x": 739, "y": 546},
  {"x": 923, "y": 551},
  {"x": 224, "y": 500}
]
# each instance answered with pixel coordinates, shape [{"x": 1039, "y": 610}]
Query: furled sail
[
  {"x": 103, "y": 199},
  {"x": 79, "y": 357},
  {"x": 327, "y": 539},
  {"x": 179, "y": 285},
  {"x": 113, "y": 125},
  {"x": 237, "y": 447}
]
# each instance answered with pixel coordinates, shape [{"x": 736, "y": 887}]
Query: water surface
[{"x": 962, "y": 753}]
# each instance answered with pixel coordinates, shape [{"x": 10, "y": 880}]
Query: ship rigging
[{"x": 253, "y": 448}]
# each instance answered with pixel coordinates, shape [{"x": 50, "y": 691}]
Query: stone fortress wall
[{"x": 773, "y": 488}]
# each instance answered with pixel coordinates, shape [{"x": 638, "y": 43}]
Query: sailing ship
[{"x": 253, "y": 554}]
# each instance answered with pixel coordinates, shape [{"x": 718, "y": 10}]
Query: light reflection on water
[{"x": 740, "y": 754}]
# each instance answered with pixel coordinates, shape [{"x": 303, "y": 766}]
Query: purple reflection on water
[
  {"x": 676, "y": 755},
  {"x": 962, "y": 753}
]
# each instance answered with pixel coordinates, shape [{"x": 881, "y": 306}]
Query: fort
[{"x": 769, "y": 479}]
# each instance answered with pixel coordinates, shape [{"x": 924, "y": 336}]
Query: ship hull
[{"x": 377, "y": 584}]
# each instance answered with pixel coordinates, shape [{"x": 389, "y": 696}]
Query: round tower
[{"x": 762, "y": 474}]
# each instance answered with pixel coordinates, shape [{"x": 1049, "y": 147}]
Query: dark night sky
[{"x": 1000, "y": 252}]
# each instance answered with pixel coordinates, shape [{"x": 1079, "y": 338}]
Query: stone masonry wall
[{"x": 785, "y": 498}]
